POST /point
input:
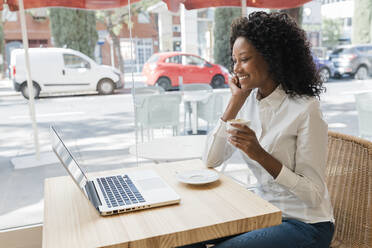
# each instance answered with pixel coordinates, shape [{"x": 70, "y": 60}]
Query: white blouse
[{"x": 293, "y": 131}]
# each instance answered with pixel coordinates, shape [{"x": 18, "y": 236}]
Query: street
[{"x": 99, "y": 130}]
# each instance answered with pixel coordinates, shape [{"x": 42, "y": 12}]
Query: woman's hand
[
  {"x": 236, "y": 89},
  {"x": 237, "y": 99},
  {"x": 245, "y": 139}
]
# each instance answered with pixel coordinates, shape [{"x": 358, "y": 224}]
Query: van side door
[{"x": 76, "y": 72}]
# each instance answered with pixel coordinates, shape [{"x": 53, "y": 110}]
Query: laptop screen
[{"x": 68, "y": 160}]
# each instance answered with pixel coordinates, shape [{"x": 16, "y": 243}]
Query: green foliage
[
  {"x": 223, "y": 18},
  {"x": 362, "y": 22},
  {"x": 120, "y": 16},
  {"x": 116, "y": 18},
  {"x": 75, "y": 29},
  {"x": 331, "y": 32}
]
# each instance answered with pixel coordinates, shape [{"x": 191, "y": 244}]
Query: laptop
[{"x": 115, "y": 194}]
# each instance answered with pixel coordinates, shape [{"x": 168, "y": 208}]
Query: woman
[{"x": 276, "y": 87}]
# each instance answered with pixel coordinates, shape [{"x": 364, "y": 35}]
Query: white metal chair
[
  {"x": 364, "y": 108},
  {"x": 213, "y": 108},
  {"x": 158, "y": 111},
  {"x": 187, "y": 106},
  {"x": 148, "y": 90}
]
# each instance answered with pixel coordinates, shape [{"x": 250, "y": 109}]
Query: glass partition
[{"x": 128, "y": 93}]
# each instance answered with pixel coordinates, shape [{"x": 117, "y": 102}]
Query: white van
[{"x": 62, "y": 70}]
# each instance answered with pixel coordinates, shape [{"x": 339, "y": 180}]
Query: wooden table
[
  {"x": 171, "y": 149},
  {"x": 205, "y": 212}
]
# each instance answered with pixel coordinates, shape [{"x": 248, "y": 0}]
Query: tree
[
  {"x": 362, "y": 21},
  {"x": 223, "y": 18},
  {"x": 295, "y": 13},
  {"x": 331, "y": 32},
  {"x": 75, "y": 29},
  {"x": 115, "y": 19}
]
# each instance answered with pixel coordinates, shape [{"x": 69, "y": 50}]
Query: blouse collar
[{"x": 274, "y": 100}]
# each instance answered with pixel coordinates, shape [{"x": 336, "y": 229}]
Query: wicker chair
[{"x": 349, "y": 180}]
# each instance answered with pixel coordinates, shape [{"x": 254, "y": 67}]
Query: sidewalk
[
  {"x": 6, "y": 88},
  {"x": 138, "y": 80}
]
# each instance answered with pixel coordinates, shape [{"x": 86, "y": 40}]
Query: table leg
[{"x": 194, "y": 122}]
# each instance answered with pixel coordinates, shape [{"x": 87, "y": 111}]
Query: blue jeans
[{"x": 290, "y": 234}]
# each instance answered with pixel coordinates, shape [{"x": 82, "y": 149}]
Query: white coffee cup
[{"x": 237, "y": 121}]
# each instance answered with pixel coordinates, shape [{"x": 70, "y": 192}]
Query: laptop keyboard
[{"x": 119, "y": 191}]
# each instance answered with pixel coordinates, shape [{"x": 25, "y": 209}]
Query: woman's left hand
[{"x": 245, "y": 139}]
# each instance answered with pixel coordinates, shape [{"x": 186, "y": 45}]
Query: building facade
[{"x": 144, "y": 33}]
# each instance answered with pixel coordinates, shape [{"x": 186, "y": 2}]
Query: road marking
[{"x": 46, "y": 115}]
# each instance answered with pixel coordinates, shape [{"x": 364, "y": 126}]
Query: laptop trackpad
[{"x": 151, "y": 183}]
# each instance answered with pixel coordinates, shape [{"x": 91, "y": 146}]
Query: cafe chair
[
  {"x": 158, "y": 111},
  {"x": 148, "y": 90},
  {"x": 212, "y": 110},
  {"x": 349, "y": 181},
  {"x": 139, "y": 94},
  {"x": 364, "y": 108},
  {"x": 187, "y": 105}
]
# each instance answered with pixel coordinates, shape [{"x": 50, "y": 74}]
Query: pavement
[
  {"x": 21, "y": 197},
  {"x": 6, "y": 88},
  {"x": 135, "y": 80}
]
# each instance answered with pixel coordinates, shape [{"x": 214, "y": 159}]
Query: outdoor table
[
  {"x": 206, "y": 212},
  {"x": 194, "y": 97},
  {"x": 171, "y": 149}
]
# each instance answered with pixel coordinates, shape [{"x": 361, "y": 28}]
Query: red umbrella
[
  {"x": 173, "y": 5},
  {"x": 81, "y": 4}
]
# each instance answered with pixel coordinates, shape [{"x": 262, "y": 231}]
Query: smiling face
[{"x": 251, "y": 68}]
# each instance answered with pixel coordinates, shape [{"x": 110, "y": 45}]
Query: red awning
[
  {"x": 173, "y": 5},
  {"x": 81, "y": 4}
]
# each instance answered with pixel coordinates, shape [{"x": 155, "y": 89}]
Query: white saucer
[{"x": 197, "y": 176}]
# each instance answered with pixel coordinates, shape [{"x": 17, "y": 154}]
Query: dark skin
[{"x": 251, "y": 71}]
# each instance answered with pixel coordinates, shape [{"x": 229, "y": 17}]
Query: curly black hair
[{"x": 284, "y": 47}]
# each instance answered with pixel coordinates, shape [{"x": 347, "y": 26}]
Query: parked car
[
  {"x": 61, "y": 70},
  {"x": 325, "y": 68},
  {"x": 353, "y": 60},
  {"x": 164, "y": 69}
]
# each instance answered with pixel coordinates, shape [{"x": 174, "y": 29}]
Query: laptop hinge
[{"x": 92, "y": 194}]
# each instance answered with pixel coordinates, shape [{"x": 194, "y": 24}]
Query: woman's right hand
[
  {"x": 236, "y": 89},
  {"x": 237, "y": 99}
]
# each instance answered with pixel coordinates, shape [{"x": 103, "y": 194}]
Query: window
[
  {"x": 192, "y": 60},
  {"x": 74, "y": 62},
  {"x": 153, "y": 59},
  {"x": 143, "y": 17},
  {"x": 174, "y": 59}
]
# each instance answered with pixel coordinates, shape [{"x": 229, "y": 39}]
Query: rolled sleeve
[
  {"x": 217, "y": 149},
  {"x": 287, "y": 178}
]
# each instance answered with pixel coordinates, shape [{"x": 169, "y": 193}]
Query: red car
[{"x": 164, "y": 69}]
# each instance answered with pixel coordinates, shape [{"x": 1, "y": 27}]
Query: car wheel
[
  {"x": 324, "y": 74},
  {"x": 24, "y": 90},
  {"x": 105, "y": 86},
  {"x": 218, "y": 81},
  {"x": 361, "y": 73},
  {"x": 164, "y": 82}
]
